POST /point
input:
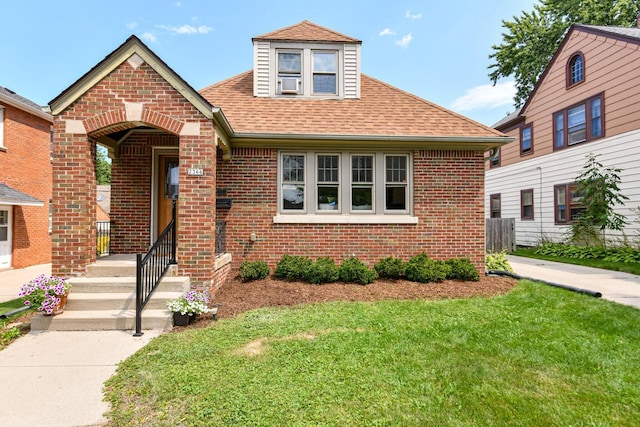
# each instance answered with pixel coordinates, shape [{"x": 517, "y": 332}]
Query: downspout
[{"x": 540, "y": 203}]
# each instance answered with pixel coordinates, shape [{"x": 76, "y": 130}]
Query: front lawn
[{"x": 535, "y": 356}]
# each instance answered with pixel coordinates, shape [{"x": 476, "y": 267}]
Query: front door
[
  {"x": 167, "y": 189},
  {"x": 5, "y": 236}
]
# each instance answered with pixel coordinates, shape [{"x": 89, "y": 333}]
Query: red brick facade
[
  {"x": 101, "y": 111},
  {"x": 25, "y": 165},
  {"x": 448, "y": 200}
]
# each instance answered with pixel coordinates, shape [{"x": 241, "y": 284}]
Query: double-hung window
[
  {"x": 579, "y": 123},
  {"x": 328, "y": 182},
  {"x": 362, "y": 190},
  {"x": 568, "y": 203},
  {"x": 396, "y": 183},
  {"x": 526, "y": 140},
  {"x": 290, "y": 72},
  {"x": 1, "y": 126},
  {"x": 293, "y": 183},
  {"x": 526, "y": 204},
  {"x": 324, "y": 73},
  {"x": 495, "y": 205},
  {"x": 354, "y": 186}
]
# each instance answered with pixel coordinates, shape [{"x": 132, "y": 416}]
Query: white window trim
[
  {"x": 344, "y": 215},
  {"x": 307, "y": 68},
  {"x": 2, "y": 128}
]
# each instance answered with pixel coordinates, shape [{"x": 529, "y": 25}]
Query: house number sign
[{"x": 195, "y": 172}]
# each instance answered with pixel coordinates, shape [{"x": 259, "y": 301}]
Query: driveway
[{"x": 623, "y": 288}]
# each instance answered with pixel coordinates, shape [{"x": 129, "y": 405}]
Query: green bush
[
  {"x": 323, "y": 270},
  {"x": 390, "y": 268},
  {"x": 254, "y": 270},
  {"x": 353, "y": 270},
  {"x": 624, "y": 254},
  {"x": 462, "y": 269},
  {"x": 292, "y": 267},
  {"x": 497, "y": 261},
  {"x": 422, "y": 269}
]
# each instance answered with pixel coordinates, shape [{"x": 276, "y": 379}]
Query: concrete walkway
[
  {"x": 615, "y": 286},
  {"x": 55, "y": 378}
]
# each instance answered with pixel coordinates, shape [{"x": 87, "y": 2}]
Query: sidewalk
[
  {"x": 55, "y": 378},
  {"x": 623, "y": 288},
  {"x": 12, "y": 280}
]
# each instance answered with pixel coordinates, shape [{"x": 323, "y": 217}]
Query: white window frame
[
  {"x": 397, "y": 184},
  {"x": 306, "y": 78},
  {"x": 300, "y": 89},
  {"x": 320, "y": 72},
  {"x": 345, "y": 214},
  {"x": 353, "y": 184},
  {"x": 2, "y": 127},
  {"x": 319, "y": 183}
]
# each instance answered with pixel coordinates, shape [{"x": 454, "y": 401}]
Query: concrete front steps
[{"x": 106, "y": 300}]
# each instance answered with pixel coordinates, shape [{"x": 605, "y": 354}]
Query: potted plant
[
  {"x": 188, "y": 306},
  {"x": 47, "y": 293}
]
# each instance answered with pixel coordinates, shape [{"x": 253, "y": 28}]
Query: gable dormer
[{"x": 306, "y": 61}]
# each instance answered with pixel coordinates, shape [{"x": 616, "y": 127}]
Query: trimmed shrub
[
  {"x": 390, "y": 268},
  {"x": 497, "y": 261},
  {"x": 292, "y": 267},
  {"x": 353, "y": 270},
  {"x": 323, "y": 270},
  {"x": 254, "y": 270},
  {"x": 422, "y": 269},
  {"x": 462, "y": 269}
]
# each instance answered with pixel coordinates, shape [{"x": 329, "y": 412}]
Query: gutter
[{"x": 27, "y": 108}]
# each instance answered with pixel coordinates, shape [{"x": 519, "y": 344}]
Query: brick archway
[{"x": 132, "y": 95}]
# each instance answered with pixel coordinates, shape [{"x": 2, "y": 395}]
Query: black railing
[
  {"x": 221, "y": 237},
  {"x": 103, "y": 238},
  {"x": 151, "y": 267}
]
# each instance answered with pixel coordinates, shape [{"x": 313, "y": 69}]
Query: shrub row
[
  {"x": 420, "y": 268},
  {"x": 624, "y": 254}
]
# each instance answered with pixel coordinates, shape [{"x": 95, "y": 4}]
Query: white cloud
[
  {"x": 186, "y": 29},
  {"x": 410, "y": 15},
  {"x": 486, "y": 96},
  {"x": 406, "y": 39},
  {"x": 150, "y": 37},
  {"x": 387, "y": 32},
  {"x": 132, "y": 25}
]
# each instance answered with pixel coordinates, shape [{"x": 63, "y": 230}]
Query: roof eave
[
  {"x": 276, "y": 140},
  {"x": 26, "y": 108}
]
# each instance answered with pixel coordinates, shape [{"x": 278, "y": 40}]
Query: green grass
[
  {"x": 633, "y": 268},
  {"x": 8, "y": 335},
  {"x": 536, "y": 356}
]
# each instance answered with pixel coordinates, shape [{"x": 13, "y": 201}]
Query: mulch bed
[{"x": 237, "y": 297}]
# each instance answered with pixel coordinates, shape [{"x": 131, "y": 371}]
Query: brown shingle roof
[
  {"x": 307, "y": 31},
  {"x": 382, "y": 110}
]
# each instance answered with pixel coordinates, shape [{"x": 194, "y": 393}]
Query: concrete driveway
[{"x": 615, "y": 286}]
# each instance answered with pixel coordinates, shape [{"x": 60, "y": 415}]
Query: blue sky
[{"x": 438, "y": 50}]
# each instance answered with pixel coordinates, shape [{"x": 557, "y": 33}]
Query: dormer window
[
  {"x": 575, "y": 69},
  {"x": 290, "y": 72},
  {"x": 324, "y": 73}
]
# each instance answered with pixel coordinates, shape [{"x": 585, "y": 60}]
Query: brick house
[
  {"x": 302, "y": 155},
  {"x": 586, "y": 101},
  {"x": 25, "y": 182}
]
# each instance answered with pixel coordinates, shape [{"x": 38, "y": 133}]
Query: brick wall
[
  {"x": 25, "y": 165},
  {"x": 103, "y": 110},
  {"x": 448, "y": 200}
]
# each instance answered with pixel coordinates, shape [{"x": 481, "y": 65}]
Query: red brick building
[
  {"x": 25, "y": 182},
  {"x": 302, "y": 155}
]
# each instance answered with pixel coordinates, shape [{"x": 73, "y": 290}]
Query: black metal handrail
[{"x": 151, "y": 267}]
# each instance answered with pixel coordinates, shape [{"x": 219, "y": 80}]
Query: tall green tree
[
  {"x": 600, "y": 190},
  {"x": 530, "y": 40},
  {"x": 103, "y": 167}
]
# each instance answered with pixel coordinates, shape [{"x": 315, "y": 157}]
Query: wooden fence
[{"x": 500, "y": 234}]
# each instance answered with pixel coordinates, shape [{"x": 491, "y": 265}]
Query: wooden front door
[{"x": 167, "y": 189}]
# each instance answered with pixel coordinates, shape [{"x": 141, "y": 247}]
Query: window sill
[{"x": 345, "y": 219}]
